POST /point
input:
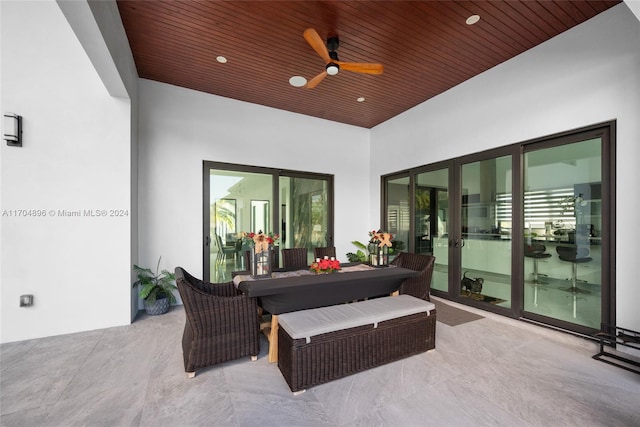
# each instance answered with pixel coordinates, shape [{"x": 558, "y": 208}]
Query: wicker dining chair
[
  {"x": 221, "y": 323},
  {"x": 322, "y": 252},
  {"x": 418, "y": 286},
  {"x": 294, "y": 258}
]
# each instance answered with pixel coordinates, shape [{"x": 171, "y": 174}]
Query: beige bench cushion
[{"x": 316, "y": 321}]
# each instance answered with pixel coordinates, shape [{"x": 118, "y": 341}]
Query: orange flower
[{"x": 261, "y": 242}]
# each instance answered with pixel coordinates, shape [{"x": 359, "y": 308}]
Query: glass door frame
[
  {"x": 454, "y": 226},
  {"x": 384, "y": 218},
  {"x": 330, "y": 202},
  {"x": 605, "y": 130},
  {"x": 275, "y": 173},
  {"x": 457, "y": 242}
]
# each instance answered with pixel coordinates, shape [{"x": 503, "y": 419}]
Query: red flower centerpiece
[{"x": 325, "y": 265}]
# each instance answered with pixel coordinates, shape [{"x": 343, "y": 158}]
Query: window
[{"x": 298, "y": 206}]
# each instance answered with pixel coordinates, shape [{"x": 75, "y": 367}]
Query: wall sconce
[{"x": 13, "y": 129}]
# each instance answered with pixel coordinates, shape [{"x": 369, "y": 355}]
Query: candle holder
[{"x": 260, "y": 263}]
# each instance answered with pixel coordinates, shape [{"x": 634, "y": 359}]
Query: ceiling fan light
[{"x": 332, "y": 69}]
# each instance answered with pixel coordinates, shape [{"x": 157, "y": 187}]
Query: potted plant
[
  {"x": 371, "y": 247},
  {"x": 358, "y": 256},
  {"x": 156, "y": 289}
]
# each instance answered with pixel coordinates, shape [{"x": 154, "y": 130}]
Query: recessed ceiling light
[
  {"x": 473, "y": 19},
  {"x": 221, "y": 59},
  {"x": 361, "y": 99},
  {"x": 297, "y": 81}
]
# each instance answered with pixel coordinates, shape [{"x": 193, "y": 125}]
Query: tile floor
[{"x": 493, "y": 371}]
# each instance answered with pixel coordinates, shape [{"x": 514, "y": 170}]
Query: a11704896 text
[{"x": 64, "y": 213}]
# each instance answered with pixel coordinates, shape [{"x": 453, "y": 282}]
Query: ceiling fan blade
[
  {"x": 361, "y": 67},
  {"x": 313, "y": 38},
  {"x": 316, "y": 80}
]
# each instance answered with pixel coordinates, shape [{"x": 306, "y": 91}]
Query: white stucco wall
[
  {"x": 100, "y": 31},
  {"x": 585, "y": 76},
  {"x": 179, "y": 128},
  {"x": 76, "y": 157}
]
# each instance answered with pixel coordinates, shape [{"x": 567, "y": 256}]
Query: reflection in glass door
[
  {"x": 240, "y": 202},
  {"x": 305, "y": 218},
  {"x": 563, "y": 232},
  {"x": 431, "y": 222},
  {"x": 485, "y": 218},
  {"x": 298, "y": 206},
  {"x": 398, "y": 213},
  {"x": 260, "y": 218}
]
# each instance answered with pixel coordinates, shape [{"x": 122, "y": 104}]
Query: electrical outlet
[{"x": 26, "y": 300}]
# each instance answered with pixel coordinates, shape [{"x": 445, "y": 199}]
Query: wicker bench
[{"x": 323, "y": 344}]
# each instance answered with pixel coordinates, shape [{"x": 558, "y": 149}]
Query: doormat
[
  {"x": 482, "y": 298},
  {"x": 453, "y": 316}
]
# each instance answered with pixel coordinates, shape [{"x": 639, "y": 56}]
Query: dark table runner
[{"x": 286, "y": 294}]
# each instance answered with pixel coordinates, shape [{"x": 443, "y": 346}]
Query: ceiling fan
[{"x": 330, "y": 56}]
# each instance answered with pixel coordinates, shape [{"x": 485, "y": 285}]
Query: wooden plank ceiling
[{"x": 425, "y": 46}]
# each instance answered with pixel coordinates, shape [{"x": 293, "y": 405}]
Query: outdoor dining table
[{"x": 287, "y": 291}]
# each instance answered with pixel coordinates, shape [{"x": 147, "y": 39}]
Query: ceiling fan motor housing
[
  {"x": 332, "y": 44},
  {"x": 332, "y": 67}
]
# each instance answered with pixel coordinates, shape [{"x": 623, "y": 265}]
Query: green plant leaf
[
  {"x": 352, "y": 257},
  {"x": 359, "y": 244},
  {"x": 359, "y": 256},
  {"x": 146, "y": 290},
  {"x": 154, "y": 285}
]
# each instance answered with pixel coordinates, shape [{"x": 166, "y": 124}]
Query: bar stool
[
  {"x": 575, "y": 255},
  {"x": 536, "y": 251}
]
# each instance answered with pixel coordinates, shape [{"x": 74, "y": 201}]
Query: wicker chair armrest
[
  {"x": 225, "y": 289},
  {"x": 211, "y": 314},
  {"x": 417, "y": 286}
]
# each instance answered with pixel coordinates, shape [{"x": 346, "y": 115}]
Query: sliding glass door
[
  {"x": 485, "y": 218},
  {"x": 524, "y": 230},
  {"x": 305, "y": 213},
  {"x": 238, "y": 199},
  {"x": 398, "y": 213},
  {"x": 563, "y": 214},
  {"x": 431, "y": 231}
]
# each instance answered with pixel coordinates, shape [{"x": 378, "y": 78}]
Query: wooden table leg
[{"x": 273, "y": 339}]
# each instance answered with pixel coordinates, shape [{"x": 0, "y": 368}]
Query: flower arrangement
[
  {"x": 260, "y": 240},
  {"x": 377, "y": 239},
  {"x": 260, "y": 244},
  {"x": 379, "y": 245},
  {"x": 382, "y": 238},
  {"x": 325, "y": 265}
]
